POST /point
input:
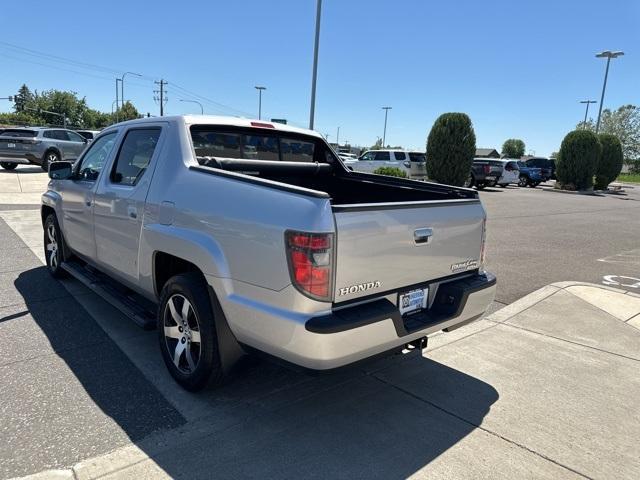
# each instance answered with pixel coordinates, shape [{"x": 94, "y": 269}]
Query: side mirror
[{"x": 60, "y": 170}]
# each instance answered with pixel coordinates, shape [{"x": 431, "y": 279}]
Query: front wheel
[
  {"x": 53, "y": 245},
  {"x": 187, "y": 333},
  {"x": 8, "y": 165},
  {"x": 468, "y": 182},
  {"x": 522, "y": 182}
]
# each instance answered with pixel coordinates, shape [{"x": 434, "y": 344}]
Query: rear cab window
[{"x": 252, "y": 144}]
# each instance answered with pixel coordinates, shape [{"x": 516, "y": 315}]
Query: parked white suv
[{"x": 412, "y": 163}]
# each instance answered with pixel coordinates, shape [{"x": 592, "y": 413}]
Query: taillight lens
[{"x": 310, "y": 257}]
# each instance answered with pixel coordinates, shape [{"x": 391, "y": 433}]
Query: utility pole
[
  {"x": 384, "y": 134},
  {"x": 338, "y": 137},
  {"x": 315, "y": 65},
  {"x": 260, "y": 89},
  {"x": 122, "y": 83},
  {"x": 608, "y": 54},
  {"x": 161, "y": 98},
  {"x": 584, "y": 123}
]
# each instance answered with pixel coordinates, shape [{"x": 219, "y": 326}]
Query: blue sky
[{"x": 517, "y": 68}]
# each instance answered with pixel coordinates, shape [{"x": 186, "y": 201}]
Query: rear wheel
[
  {"x": 187, "y": 333},
  {"x": 8, "y": 165},
  {"x": 480, "y": 186},
  {"x": 469, "y": 182},
  {"x": 522, "y": 182},
  {"x": 49, "y": 157}
]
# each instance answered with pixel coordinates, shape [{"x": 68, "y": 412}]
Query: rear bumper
[
  {"x": 355, "y": 333},
  {"x": 22, "y": 158}
]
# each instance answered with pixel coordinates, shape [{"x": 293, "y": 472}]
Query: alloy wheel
[
  {"x": 52, "y": 246},
  {"x": 182, "y": 333}
]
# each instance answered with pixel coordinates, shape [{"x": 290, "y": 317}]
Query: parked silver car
[{"x": 39, "y": 146}]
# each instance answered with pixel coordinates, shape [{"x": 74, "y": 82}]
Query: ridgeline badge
[{"x": 464, "y": 266}]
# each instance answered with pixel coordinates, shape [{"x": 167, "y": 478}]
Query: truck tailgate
[{"x": 385, "y": 247}]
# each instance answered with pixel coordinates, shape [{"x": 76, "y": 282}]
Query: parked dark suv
[
  {"x": 547, "y": 167},
  {"x": 39, "y": 146}
]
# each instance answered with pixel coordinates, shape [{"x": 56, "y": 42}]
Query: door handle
[
  {"x": 87, "y": 203},
  {"x": 422, "y": 235},
  {"x": 132, "y": 212}
]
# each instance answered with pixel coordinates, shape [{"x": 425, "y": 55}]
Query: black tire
[
  {"x": 503, "y": 185},
  {"x": 53, "y": 247},
  {"x": 49, "y": 157},
  {"x": 534, "y": 184},
  {"x": 470, "y": 182},
  {"x": 198, "y": 364},
  {"x": 480, "y": 186},
  {"x": 8, "y": 165},
  {"x": 523, "y": 181}
]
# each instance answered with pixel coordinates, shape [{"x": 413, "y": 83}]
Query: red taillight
[
  {"x": 487, "y": 169},
  {"x": 310, "y": 257}
]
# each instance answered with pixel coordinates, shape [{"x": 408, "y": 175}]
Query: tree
[
  {"x": 610, "y": 161},
  {"x": 624, "y": 123},
  {"x": 513, "y": 148},
  {"x": 23, "y": 99},
  {"x": 578, "y": 160},
  {"x": 451, "y": 146},
  {"x": 127, "y": 112}
]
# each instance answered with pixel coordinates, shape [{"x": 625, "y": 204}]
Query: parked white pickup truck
[{"x": 237, "y": 235}]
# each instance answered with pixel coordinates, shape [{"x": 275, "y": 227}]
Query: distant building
[{"x": 487, "y": 153}]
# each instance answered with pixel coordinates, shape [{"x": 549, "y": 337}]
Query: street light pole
[
  {"x": 260, "y": 89},
  {"x": 195, "y": 101},
  {"x": 122, "y": 84},
  {"x": 584, "y": 123},
  {"x": 608, "y": 54},
  {"x": 117, "y": 99},
  {"x": 338, "y": 137},
  {"x": 384, "y": 134},
  {"x": 314, "y": 76}
]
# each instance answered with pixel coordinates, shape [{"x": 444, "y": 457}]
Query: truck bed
[{"x": 344, "y": 187}]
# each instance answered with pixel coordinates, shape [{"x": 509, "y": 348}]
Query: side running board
[{"x": 128, "y": 302}]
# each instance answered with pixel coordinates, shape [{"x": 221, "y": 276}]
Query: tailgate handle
[{"x": 422, "y": 235}]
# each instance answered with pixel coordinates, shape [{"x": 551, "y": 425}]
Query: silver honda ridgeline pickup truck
[{"x": 235, "y": 235}]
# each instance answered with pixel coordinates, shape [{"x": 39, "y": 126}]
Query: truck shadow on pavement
[{"x": 367, "y": 421}]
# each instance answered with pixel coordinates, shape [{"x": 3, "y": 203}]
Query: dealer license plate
[{"x": 413, "y": 300}]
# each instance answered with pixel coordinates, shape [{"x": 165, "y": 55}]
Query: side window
[
  {"x": 382, "y": 156},
  {"x": 400, "y": 156},
  {"x": 93, "y": 160},
  {"x": 134, "y": 156},
  {"x": 367, "y": 156},
  {"x": 48, "y": 134},
  {"x": 74, "y": 137},
  {"x": 60, "y": 135}
]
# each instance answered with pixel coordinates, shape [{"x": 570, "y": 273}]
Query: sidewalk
[
  {"x": 546, "y": 387},
  {"x": 22, "y": 186}
]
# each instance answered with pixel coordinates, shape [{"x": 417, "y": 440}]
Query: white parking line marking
[
  {"x": 630, "y": 257},
  {"x": 621, "y": 281}
]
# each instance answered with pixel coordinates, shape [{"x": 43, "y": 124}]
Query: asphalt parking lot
[
  {"x": 533, "y": 391},
  {"x": 536, "y": 237}
]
